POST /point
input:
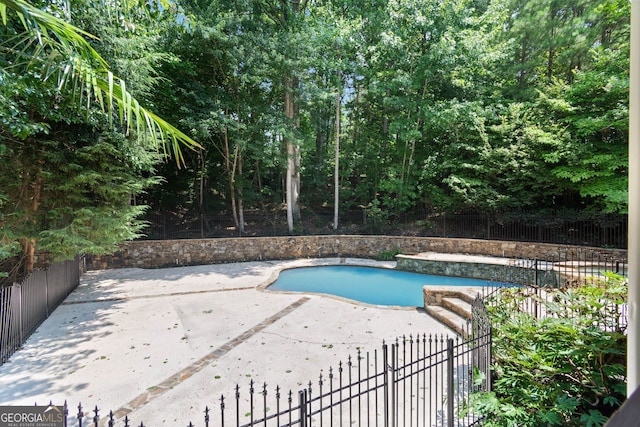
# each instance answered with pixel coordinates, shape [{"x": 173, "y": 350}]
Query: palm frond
[
  {"x": 47, "y": 28},
  {"x": 62, "y": 49}
]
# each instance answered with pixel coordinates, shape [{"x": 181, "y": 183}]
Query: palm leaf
[
  {"x": 47, "y": 28},
  {"x": 3, "y": 13},
  {"x": 47, "y": 37}
]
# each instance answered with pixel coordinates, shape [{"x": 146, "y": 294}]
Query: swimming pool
[{"x": 371, "y": 285}]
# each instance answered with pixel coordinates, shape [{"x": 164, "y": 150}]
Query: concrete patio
[{"x": 159, "y": 345}]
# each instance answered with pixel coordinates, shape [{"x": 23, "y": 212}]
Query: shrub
[
  {"x": 388, "y": 255},
  {"x": 564, "y": 368}
]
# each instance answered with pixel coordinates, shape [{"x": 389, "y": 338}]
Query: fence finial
[{"x": 80, "y": 415}]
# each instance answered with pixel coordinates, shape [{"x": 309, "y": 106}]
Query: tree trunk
[
  {"x": 336, "y": 172},
  {"x": 293, "y": 157},
  {"x": 523, "y": 59},
  {"x": 201, "y": 196},
  {"x": 231, "y": 173},
  {"x": 550, "y": 57},
  {"x": 28, "y": 245},
  {"x": 240, "y": 204},
  {"x": 29, "y": 254}
]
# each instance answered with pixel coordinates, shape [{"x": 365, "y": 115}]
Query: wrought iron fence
[
  {"x": 567, "y": 228},
  {"x": 24, "y": 306},
  {"x": 560, "y": 269},
  {"x": 559, "y": 228},
  {"x": 422, "y": 380},
  {"x": 538, "y": 282}
]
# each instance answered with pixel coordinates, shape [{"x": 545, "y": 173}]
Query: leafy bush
[
  {"x": 566, "y": 367},
  {"x": 388, "y": 255}
]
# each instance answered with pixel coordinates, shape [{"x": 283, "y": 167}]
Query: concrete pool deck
[{"x": 160, "y": 345}]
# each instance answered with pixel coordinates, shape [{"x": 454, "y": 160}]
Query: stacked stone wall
[{"x": 168, "y": 253}]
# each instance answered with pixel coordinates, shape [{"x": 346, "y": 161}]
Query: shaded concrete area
[{"x": 160, "y": 345}]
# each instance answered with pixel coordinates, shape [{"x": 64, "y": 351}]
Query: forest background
[{"x": 388, "y": 106}]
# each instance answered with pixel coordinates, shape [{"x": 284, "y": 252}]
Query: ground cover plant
[{"x": 564, "y": 366}]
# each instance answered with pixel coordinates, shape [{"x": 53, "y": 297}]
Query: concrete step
[
  {"x": 448, "y": 318},
  {"x": 467, "y": 294},
  {"x": 459, "y": 306}
]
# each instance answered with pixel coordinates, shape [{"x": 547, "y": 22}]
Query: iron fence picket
[
  {"x": 57, "y": 289},
  {"x": 10, "y": 330},
  {"x": 34, "y": 301}
]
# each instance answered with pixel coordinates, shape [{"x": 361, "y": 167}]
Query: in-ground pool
[{"x": 371, "y": 285}]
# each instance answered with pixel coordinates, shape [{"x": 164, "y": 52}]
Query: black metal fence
[
  {"x": 24, "y": 306},
  {"x": 422, "y": 380},
  {"x": 559, "y": 228},
  {"x": 559, "y": 269}
]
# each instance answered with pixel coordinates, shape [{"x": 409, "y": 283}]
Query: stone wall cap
[{"x": 477, "y": 259}]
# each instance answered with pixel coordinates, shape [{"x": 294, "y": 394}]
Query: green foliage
[
  {"x": 565, "y": 368},
  {"x": 86, "y": 182},
  {"x": 78, "y": 150},
  {"x": 595, "y": 159},
  {"x": 52, "y": 48},
  {"x": 376, "y": 217},
  {"x": 445, "y": 105},
  {"x": 388, "y": 255}
]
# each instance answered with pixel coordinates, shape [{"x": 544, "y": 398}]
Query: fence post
[
  {"x": 385, "y": 385},
  {"x": 20, "y": 319},
  {"x": 488, "y": 226},
  {"x": 302, "y": 394},
  {"x": 450, "y": 382},
  {"x": 392, "y": 384},
  {"x": 444, "y": 225},
  {"x": 487, "y": 370},
  {"x": 46, "y": 291}
]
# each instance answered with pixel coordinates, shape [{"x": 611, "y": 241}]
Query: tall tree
[{"x": 288, "y": 18}]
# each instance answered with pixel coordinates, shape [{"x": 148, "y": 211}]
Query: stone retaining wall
[{"x": 168, "y": 253}]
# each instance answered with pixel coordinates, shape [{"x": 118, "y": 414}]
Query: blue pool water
[{"x": 379, "y": 286}]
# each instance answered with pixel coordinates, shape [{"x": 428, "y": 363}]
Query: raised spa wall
[
  {"x": 488, "y": 268},
  {"x": 171, "y": 253}
]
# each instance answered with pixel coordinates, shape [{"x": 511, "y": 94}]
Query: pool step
[
  {"x": 447, "y": 317},
  {"x": 459, "y": 306},
  {"x": 452, "y": 309}
]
